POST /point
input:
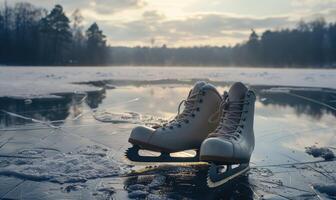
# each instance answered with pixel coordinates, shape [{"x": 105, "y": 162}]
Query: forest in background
[{"x": 34, "y": 36}]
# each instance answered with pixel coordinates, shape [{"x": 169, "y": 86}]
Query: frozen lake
[
  {"x": 63, "y": 133},
  {"x": 37, "y": 81}
]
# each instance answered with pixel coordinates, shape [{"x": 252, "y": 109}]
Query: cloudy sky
[{"x": 191, "y": 22}]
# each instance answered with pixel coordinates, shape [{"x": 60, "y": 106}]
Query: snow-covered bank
[{"x": 36, "y": 81}]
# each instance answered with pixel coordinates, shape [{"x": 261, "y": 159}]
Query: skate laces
[
  {"x": 230, "y": 118},
  {"x": 189, "y": 108}
]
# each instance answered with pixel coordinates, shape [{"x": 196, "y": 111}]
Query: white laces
[
  {"x": 189, "y": 108},
  {"x": 230, "y": 118}
]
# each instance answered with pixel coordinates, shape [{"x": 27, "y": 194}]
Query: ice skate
[
  {"x": 185, "y": 132},
  {"x": 232, "y": 142}
]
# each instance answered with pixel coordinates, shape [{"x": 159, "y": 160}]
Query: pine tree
[
  {"x": 57, "y": 36},
  {"x": 96, "y": 45},
  {"x": 78, "y": 45},
  {"x": 253, "y": 48}
]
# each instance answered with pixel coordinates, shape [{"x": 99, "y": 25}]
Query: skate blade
[
  {"x": 132, "y": 156},
  {"x": 140, "y": 163},
  {"x": 213, "y": 184}
]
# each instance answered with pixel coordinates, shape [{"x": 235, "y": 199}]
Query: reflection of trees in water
[
  {"x": 47, "y": 109},
  {"x": 305, "y": 101},
  {"x": 50, "y": 109},
  {"x": 95, "y": 98},
  {"x": 184, "y": 183}
]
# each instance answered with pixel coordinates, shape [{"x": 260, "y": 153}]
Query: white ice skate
[
  {"x": 186, "y": 131},
  {"x": 232, "y": 142}
]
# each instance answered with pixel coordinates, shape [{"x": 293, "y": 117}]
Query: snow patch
[
  {"x": 322, "y": 152},
  {"x": 73, "y": 187},
  {"x": 105, "y": 190},
  {"x": 128, "y": 117},
  {"x": 90, "y": 162},
  {"x": 158, "y": 181},
  {"x": 147, "y": 191},
  {"x": 50, "y": 80}
]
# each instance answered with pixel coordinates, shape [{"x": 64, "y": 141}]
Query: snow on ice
[
  {"x": 87, "y": 163},
  {"x": 38, "y": 81}
]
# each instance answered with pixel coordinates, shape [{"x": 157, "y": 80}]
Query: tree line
[
  {"x": 311, "y": 44},
  {"x": 34, "y": 36}
]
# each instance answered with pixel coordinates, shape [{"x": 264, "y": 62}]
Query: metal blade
[
  {"x": 217, "y": 178},
  {"x": 133, "y": 155}
]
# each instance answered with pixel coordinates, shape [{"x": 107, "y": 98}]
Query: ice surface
[
  {"x": 138, "y": 194},
  {"x": 86, "y": 163},
  {"x": 136, "y": 187},
  {"x": 36, "y": 154},
  {"x": 39, "y": 81}
]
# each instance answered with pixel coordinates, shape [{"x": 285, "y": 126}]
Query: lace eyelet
[
  {"x": 203, "y": 93},
  {"x": 192, "y": 115},
  {"x": 244, "y": 119},
  {"x": 179, "y": 126},
  {"x": 171, "y": 127},
  {"x": 201, "y": 100},
  {"x": 163, "y": 128},
  {"x": 198, "y": 109},
  {"x": 186, "y": 121}
]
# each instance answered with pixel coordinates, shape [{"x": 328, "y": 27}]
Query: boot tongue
[
  {"x": 237, "y": 92},
  {"x": 197, "y": 87}
]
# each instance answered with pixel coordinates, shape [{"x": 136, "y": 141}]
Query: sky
[{"x": 190, "y": 22}]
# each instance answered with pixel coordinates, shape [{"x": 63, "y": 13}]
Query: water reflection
[
  {"x": 188, "y": 182},
  {"x": 304, "y": 100},
  {"x": 95, "y": 98},
  {"x": 53, "y": 108},
  {"x": 314, "y": 102}
]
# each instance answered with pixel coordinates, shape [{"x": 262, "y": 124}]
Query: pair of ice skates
[{"x": 219, "y": 128}]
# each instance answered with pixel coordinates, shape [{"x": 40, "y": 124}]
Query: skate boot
[
  {"x": 185, "y": 132},
  {"x": 232, "y": 142}
]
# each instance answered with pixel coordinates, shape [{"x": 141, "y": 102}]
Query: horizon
[{"x": 176, "y": 24}]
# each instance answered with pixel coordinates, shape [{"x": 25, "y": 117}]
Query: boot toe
[
  {"x": 141, "y": 134},
  {"x": 216, "y": 149}
]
